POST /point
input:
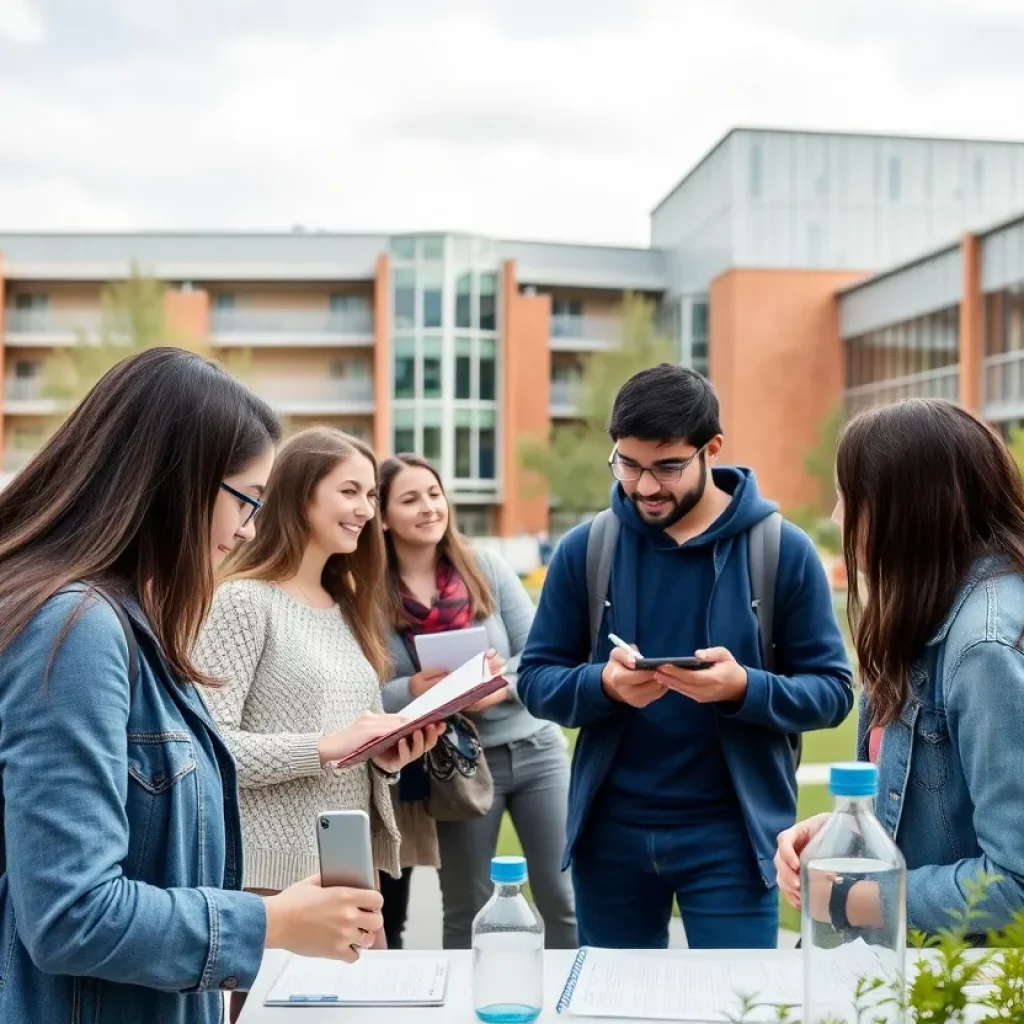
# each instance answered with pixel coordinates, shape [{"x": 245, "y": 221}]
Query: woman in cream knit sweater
[{"x": 296, "y": 637}]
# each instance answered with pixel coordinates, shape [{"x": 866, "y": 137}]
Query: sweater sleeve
[{"x": 229, "y": 649}]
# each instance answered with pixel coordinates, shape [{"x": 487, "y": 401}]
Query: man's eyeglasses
[
  {"x": 663, "y": 472},
  {"x": 254, "y": 503}
]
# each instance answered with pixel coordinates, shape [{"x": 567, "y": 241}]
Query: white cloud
[
  {"x": 20, "y": 22},
  {"x": 447, "y": 119}
]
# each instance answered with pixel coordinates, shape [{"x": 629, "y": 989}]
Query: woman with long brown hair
[
  {"x": 120, "y": 843},
  {"x": 296, "y": 637},
  {"x": 932, "y": 511},
  {"x": 435, "y": 583}
]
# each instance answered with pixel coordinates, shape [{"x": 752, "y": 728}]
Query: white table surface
[{"x": 458, "y": 1005}]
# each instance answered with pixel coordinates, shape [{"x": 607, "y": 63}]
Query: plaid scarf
[{"x": 450, "y": 609}]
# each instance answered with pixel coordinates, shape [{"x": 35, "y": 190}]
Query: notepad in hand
[
  {"x": 376, "y": 979},
  {"x": 457, "y": 691}
]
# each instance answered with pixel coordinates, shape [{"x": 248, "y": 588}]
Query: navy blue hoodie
[{"x": 673, "y": 599}]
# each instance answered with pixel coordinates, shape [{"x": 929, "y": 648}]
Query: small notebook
[
  {"x": 376, "y": 979},
  {"x": 447, "y": 650},
  {"x": 465, "y": 686}
]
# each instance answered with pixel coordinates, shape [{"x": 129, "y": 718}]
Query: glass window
[
  {"x": 463, "y": 300},
  {"x": 488, "y": 374},
  {"x": 894, "y": 179},
  {"x": 756, "y": 169},
  {"x": 432, "y": 433},
  {"x": 403, "y": 248},
  {"x": 463, "y": 368},
  {"x": 699, "y": 321},
  {"x": 463, "y": 444},
  {"x": 405, "y": 430},
  {"x": 979, "y": 177},
  {"x": 27, "y": 301},
  {"x": 488, "y": 302},
  {"x": 433, "y": 248},
  {"x": 405, "y": 367},
  {"x": 224, "y": 300},
  {"x": 566, "y": 318},
  {"x": 433, "y": 284},
  {"x": 431, "y": 367},
  {"x": 405, "y": 298},
  {"x": 487, "y": 444}
]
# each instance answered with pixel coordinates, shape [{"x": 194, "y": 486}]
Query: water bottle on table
[
  {"x": 853, "y": 970},
  {"x": 508, "y": 950}
]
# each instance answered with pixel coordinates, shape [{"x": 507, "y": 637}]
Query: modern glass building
[{"x": 771, "y": 264}]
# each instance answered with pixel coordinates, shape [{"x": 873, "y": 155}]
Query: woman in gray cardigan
[{"x": 437, "y": 583}]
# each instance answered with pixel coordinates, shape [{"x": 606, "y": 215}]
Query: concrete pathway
[{"x": 423, "y": 930}]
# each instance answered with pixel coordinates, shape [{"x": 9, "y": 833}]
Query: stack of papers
[{"x": 376, "y": 979}]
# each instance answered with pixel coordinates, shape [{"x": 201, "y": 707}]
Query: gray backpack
[{"x": 763, "y": 543}]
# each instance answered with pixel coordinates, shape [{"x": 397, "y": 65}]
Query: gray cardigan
[{"x": 507, "y": 630}]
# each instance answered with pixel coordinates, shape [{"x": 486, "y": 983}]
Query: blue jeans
[{"x": 626, "y": 877}]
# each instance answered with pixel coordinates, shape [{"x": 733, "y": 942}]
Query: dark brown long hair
[
  {"x": 927, "y": 489},
  {"x": 123, "y": 493},
  {"x": 355, "y": 581},
  {"x": 451, "y": 546}
]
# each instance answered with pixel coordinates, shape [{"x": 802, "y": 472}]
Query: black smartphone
[{"x": 694, "y": 664}]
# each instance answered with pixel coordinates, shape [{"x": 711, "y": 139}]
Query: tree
[
  {"x": 1015, "y": 442},
  {"x": 132, "y": 318},
  {"x": 820, "y": 464},
  {"x": 571, "y": 464}
]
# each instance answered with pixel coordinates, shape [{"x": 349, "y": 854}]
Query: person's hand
[
  {"x": 333, "y": 922},
  {"x": 791, "y": 844},
  {"x": 410, "y": 749},
  {"x": 726, "y": 680},
  {"x": 369, "y": 726},
  {"x": 623, "y": 683},
  {"x": 490, "y": 701},
  {"x": 424, "y": 680}
]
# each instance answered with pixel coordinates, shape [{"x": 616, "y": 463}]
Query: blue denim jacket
[
  {"x": 123, "y": 838},
  {"x": 951, "y": 769}
]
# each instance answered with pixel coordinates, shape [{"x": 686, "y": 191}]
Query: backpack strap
[
  {"x": 763, "y": 543},
  {"x": 601, "y": 541}
]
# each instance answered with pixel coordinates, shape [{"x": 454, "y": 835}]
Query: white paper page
[
  {"x": 376, "y": 979},
  {"x": 448, "y": 650},
  {"x": 614, "y": 984},
  {"x": 461, "y": 681}
]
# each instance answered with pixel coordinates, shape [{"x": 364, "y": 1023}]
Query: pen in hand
[{"x": 622, "y": 645}]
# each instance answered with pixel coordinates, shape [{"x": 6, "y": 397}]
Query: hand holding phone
[
  {"x": 690, "y": 663},
  {"x": 624, "y": 683}
]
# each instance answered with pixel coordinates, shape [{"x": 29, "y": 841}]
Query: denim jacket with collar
[
  {"x": 123, "y": 839},
  {"x": 951, "y": 768}
]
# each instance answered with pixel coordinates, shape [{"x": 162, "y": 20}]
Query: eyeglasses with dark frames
[
  {"x": 663, "y": 473},
  {"x": 254, "y": 503}
]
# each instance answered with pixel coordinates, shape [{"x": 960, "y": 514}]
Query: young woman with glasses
[
  {"x": 296, "y": 634},
  {"x": 120, "y": 851},
  {"x": 435, "y": 582}
]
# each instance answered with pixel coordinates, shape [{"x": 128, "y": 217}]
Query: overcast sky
[{"x": 549, "y": 119}]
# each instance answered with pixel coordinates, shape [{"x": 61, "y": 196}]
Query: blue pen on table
[{"x": 622, "y": 645}]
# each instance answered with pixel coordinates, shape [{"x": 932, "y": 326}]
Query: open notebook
[{"x": 465, "y": 686}]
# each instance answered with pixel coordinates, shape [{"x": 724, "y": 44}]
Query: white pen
[{"x": 619, "y": 642}]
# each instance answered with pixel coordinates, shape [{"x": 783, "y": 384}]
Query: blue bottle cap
[
  {"x": 508, "y": 870},
  {"x": 857, "y": 778}
]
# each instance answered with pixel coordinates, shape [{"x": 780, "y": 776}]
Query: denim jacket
[
  {"x": 123, "y": 839},
  {"x": 951, "y": 769}
]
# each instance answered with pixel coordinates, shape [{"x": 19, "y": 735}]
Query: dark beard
[{"x": 681, "y": 506}]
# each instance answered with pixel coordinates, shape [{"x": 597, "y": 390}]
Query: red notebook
[{"x": 458, "y": 690}]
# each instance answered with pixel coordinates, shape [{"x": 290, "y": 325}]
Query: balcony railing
[
  {"x": 281, "y": 323},
  {"x": 1002, "y": 384},
  {"x": 51, "y": 323},
  {"x": 563, "y": 397},
  {"x": 316, "y": 394},
  {"x": 943, "y": 383},
  {"x": 23, "y": 389},
  {"x": 569, "y": 331}
]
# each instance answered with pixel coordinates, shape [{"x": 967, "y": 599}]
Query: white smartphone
[{"x": 346, "y": 855}]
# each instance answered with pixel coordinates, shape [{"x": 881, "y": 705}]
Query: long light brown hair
[
  {"x": 452, "y": 546},
  {"x": 355, "y": 580},
  {"x": 122, "y": 497},
  {"x": 927, "y": 489}
]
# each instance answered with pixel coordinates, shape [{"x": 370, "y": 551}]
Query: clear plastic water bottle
[
  {"x": 855, "y": 969},
  {"x": 508, "y": 950}
]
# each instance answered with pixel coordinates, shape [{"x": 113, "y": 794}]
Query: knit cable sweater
[{"x": 290, "y": 675}]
